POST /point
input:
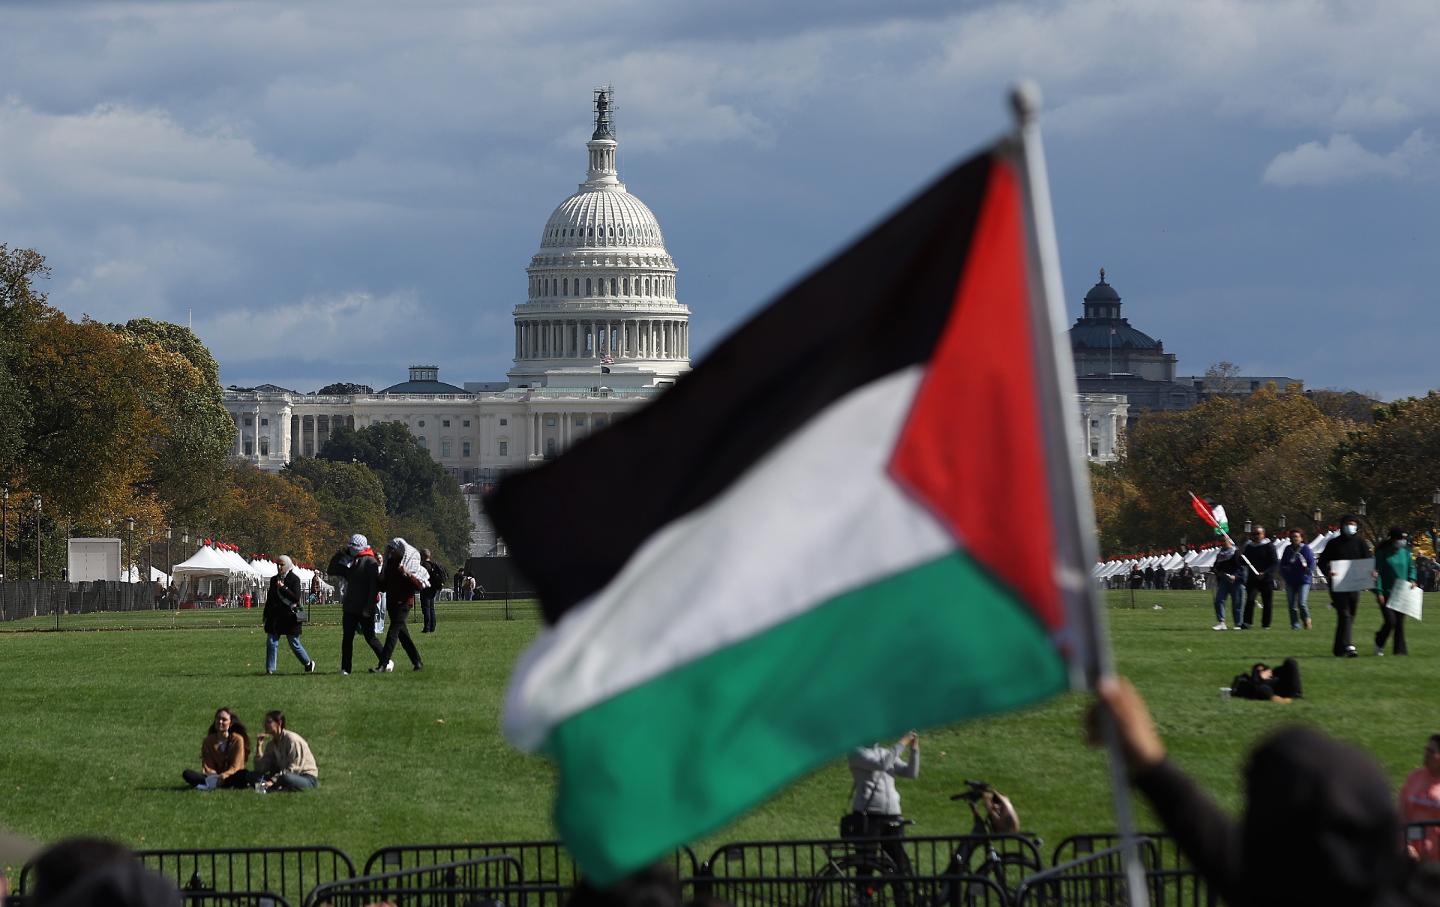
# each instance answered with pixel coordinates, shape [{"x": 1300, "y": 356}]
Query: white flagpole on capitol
[{"x": 1075, "y": 545}]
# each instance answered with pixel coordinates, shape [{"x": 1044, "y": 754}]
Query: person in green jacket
[{"x": 1393, "y": 566}]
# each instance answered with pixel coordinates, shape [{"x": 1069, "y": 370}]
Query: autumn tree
[
  {"x": 1262, "y": 456},
  {"x": 1391, "y": 464},
  {"x": 270, "y": 513},
  {"x": 349, "y": 495},
  {"x": 420, "y": 496},
  {"x": 190, "y": 449}
]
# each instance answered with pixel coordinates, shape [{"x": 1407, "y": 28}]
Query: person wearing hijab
[
  {"x": 281, "y": 604},
  {"x": 1394, "y": 568},
  {"x": 1320, "y": 825},
  {"x": 401, "y": 577}
]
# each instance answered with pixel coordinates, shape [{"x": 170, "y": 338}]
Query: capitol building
[{"x": 599, "y": 334}]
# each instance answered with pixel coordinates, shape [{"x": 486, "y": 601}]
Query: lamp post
[
  {"x": 37, "y": 536},
  {"x": 1247, "y": 527},
  {"x": 130, "y": 539},
  {"x": 1435, "y": 500},
  {"x": 169, "y": 563},
  {"x": 5, "y": 531},
  {"x": 1281, "y": 524}
]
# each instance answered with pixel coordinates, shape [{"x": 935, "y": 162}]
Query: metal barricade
[
  {"x": 285, "y": 871},
  {"x": 1094, "y": 875},
  {"x": 490, "y": 880},
  {"x": 232, "y": 899},
  {"x": 541, "y": 862},
  {"x": 782, "y": 873}
]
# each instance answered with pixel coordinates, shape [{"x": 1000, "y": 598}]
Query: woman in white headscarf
[
  {"x": 401, "y": 577},
  {"x": 282, "y": 608}
]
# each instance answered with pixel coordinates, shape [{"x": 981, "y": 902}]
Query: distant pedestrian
[
  {"x": 1259, "y": 578},
  {"x": 1349, "y": 545},
  {"x": 1394, "y": 570},
  {"x": 401, "y": 580},
  {"x": 431, "y": 590},
  {"x": 357, "y": 565},
  {"x": 468, "y": 588},
  {"x": 1297, "y": 565},
  {"x": 1229, "y": 573},
  {"x": 459, "y": 580},
  {"x": 283, "y": 607}
]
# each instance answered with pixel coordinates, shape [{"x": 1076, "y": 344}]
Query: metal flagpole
[{"x": 1075, "y": 540}]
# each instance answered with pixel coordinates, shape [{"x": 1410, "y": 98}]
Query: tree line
[
  {"x": 1273, "y": 454},
  {"x": 119, "y": 430}
]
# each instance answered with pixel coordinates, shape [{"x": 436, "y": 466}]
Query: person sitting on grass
[
  {"x": 222, "y": 754},
  {"x": 1268, "y": 684},
  {"x": 284, "y": 761},
  {"x": 1320, "y": 826}
]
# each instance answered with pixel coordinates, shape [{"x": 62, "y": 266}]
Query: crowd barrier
[
  {"x": 489, "y": 880},
  {"x": 782, "y": 873},
  {"x": 944, "y": 871}
]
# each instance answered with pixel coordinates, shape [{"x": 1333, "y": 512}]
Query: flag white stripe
[{"x": 813, "y": 518}]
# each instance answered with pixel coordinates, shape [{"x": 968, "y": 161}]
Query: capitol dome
[{"x": 602, "y": 286}]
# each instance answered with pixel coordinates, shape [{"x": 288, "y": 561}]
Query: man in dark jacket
[
  {"x": 357, "y": 565},
  {"x": 1349, "y": 545},
  {"x": 282, "y": 603},
  {"x": 427, "y": 595},
  {"x": 1259, "y": 576}
]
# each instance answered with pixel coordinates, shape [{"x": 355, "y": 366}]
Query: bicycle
[{"x": 860, "y": 874}]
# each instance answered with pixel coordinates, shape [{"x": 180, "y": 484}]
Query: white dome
[{"x": 602, "y": 219}]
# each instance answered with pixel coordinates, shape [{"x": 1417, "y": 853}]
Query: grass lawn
[{"x": 97, "y": 726}]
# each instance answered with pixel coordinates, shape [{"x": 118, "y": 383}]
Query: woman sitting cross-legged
[{"x": 222, "y": 754}]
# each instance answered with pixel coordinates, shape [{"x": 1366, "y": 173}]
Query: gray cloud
[{"x": 1344, "y": 160}]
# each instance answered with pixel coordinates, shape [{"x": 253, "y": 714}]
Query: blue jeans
[
  {"x": 1297, "y": 597},
  {"x": 272, "y": 649},
  {"x": 1226, "y": 587}
]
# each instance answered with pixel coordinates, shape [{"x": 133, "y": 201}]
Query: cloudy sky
[{"x": 337, "y": 190}]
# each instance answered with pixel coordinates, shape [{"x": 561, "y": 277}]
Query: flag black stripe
[{"x": 874, "y": 309}]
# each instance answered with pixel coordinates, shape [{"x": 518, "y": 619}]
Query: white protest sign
[{"x": 1352, "y": 576}]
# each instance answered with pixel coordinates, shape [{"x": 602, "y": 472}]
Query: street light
[
  {"x": 130, "y": 538},
  {"x": 1316, "y": 516},
  {"x": 1435, "y": 499},
  {"x": 1361, "y": 509},
  {"x": 5, "y": 531},
  {"x": 37, "y": 536},
  {"x": 1247, "y": 527},
  {"x": 1281, "y": 524}
]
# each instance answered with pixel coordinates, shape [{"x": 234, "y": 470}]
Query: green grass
[{"x": 98, "y": 725}]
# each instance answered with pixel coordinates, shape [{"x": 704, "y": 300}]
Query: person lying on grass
[
  {"x": 1268, "y": 684},
  {"x": 222, "y": 754}
]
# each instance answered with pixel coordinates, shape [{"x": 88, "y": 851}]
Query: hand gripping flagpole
[{"x": 1070, "y": 488}]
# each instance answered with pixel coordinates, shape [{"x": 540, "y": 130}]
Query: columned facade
[{"x": 601, "y": 290}]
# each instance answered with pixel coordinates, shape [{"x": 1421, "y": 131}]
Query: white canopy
[
  {"x": 1206, "y": 559},
  {"x": 264, "y": 568},
  {"x": 211, "y": 562}
]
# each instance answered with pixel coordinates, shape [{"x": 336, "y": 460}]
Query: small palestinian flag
[
  {"x": 855, "y": 517},
  {"x": 1213, "y": 514}
]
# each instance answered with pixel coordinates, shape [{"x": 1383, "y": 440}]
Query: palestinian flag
[
  {"x": 855, "y": 517},
  {"x": 1213, "y": 514}
]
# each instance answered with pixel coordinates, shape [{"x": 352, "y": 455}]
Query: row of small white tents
[
  {"x": 224, "y": 564},
  {"x": 1197, "y": 561}
]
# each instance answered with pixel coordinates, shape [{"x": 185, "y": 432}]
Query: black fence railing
[
  {"x": 779, "y": 873},
  {"x": 487, "y": 880},
  {"x": 541, "y": 862},
  {"x": 290, "y": 872},
  {"x": 937, "y": 871}
]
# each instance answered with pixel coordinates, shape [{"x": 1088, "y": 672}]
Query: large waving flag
[{"x": 856, "y": 516}]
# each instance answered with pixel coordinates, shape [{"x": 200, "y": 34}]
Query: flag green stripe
[{"x": 677, "y": 757}]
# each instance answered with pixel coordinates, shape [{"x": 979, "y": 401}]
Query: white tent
[
  {"x": 1206, "y": 560},
  {"x": 264, "y": 567},
  {"x": 240, "y": 565},
  {"x": 208, "y": 562},
  {"x": 133, "y": 575}
]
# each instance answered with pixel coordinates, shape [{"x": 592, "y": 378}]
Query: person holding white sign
[
  {"x": 1394, "y": 569},
  {"x": 1349, "y": 545}
]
